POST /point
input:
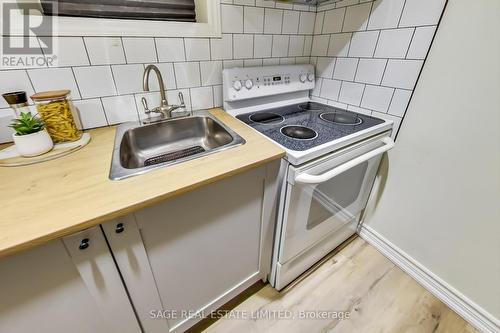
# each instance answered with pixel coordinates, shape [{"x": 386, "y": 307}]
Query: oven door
[{"x": 326, "y": 196}]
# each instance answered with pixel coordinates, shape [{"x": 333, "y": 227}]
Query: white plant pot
[{"x": 33, "y": 144}]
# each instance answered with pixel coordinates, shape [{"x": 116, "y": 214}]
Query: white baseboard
[{"x": 466, "y": 308}]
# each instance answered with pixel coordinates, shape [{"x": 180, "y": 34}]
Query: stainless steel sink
[{"x": 142, "y": 148}]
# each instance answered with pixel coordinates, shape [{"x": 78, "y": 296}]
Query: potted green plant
[{"x": 31, "y": 137}]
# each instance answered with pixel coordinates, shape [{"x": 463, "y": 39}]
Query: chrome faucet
[{"x": 165, "y": 110}]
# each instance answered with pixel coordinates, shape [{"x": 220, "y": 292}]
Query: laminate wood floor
[{"x": 357, "y": 279}]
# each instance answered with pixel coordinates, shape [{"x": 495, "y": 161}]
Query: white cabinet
[
  {"x": 189, "y": 255},
  {"x": 69, "y": 285}
]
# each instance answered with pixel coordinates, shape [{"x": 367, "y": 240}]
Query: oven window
[{"x": 337, "y": 197}]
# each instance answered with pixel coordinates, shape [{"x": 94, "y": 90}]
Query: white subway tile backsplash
[
  {"x": 333, "y": 20},
  {"x": 287, "y": 61},
  {"x": 232, "y": 19},
  {"x": 339, "y": 45},
  {"x": 296, "y": 46},
  {"x": 71, "y": 52},
  {"x": 351, "y": 93},
  {"x": 421, "y": 42},
  {"x": 402, "y": 73},
  {"x": 320, "y": 45},
  {"x": 120, "y": 109},
  {"x": 385, "y": 14},
  {"x": 197, "y": 49},
  {"x": 356, "y": 17},
  {"x": 273, "y": 19},
  {"x": 370, "y": 70},
  {"x": 170, "y": 49},
  {"x": 318, "y": 23},
  {"x": 262, "y": 46},
  {"x": 345, "y": 69},
  {"x": 393, "y": 43},
  {"x": 324, "y": 67},
  {"x": 128, "y": 78},
  {"x": 421, "y": 12},
  {"x": 15, "y": 80},
  {"x": 381, "y": 52},
  {"x": 91, "y": 113},
  {"x": 290, "y": 22},
  {"x": 280, "y": 46},
  {"x": 54, "y": 79},
  {"x": 306, "y": 23},
  {"x": 307, "y": 45},
  {"x": 217, "y": 96},
  {"x": 270, "y": 61},
  {"x": 243, "y": 46},
  {"x": 363, "y": 44},
  {"x": 187, "y": 74},
  {"x": 211, "y": 73},
  {"x": 95, "y": 81},
  {"x": 254, "y": 20},
  {"x": 105, "y": 50},
  {"x": 256, "y": 32},
  {"x": 399, "y": 102},
  {"x": 232, "y": 63},
  {"x": 202, "y": 98},
  {"x": 252, "y": 62},
  {"x": 139, "y": 50},
  {"x": 302, "y": 60},
  {"x": 377, "y": 98},
  {"x": 222, "y": 48},
  {"x": 330, "y": 89}
]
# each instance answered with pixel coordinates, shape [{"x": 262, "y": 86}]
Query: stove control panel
[{"x": 252, "y": 82}]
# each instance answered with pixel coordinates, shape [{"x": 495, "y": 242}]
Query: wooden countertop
[{"x": 45, "y": 201}]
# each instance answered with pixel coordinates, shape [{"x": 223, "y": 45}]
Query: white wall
[{"x": 440, "y": 203}]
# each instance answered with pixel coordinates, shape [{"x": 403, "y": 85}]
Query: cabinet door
[
  {"x": 59, "y": 289},
  {"x": 192, "y": 253}
]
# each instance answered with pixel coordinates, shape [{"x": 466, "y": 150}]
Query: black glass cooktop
[{"x": 307, "y": 125}]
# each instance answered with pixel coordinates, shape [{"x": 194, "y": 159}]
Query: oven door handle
[{"x": 305, "y": 178}]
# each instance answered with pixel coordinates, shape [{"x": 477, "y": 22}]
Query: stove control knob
[
  {"x": 310, "y": 77},
  {"x": 249, "y": 84},
  {"x": 302, "y": 78},
  {"x": 237, "y": 85}
]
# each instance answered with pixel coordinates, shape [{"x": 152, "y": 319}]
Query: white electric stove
[{"x": 332, "y": 156}]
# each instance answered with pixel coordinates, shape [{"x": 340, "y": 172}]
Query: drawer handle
[
  {"x": 84, "y": 244},
  {"x": 119, "y": 228}
]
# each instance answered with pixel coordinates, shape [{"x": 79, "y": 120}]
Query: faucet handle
[
  {"x": 181, "y": 99},
  {"x": 145, "y": 105}
]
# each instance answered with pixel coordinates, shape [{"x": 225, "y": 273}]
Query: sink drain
[{"x": 174, "y": 155}]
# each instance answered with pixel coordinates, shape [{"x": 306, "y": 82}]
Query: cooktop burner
[
  {"x": 342, "y": 118},
  {"x": 266, "y": 118},
  {"x": 299, "y": 132},
  {"x": 311, "y": 106},
  {"x": 306, "y": 125}
]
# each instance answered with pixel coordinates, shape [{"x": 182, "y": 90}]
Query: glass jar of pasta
[{"x": 56, "y": 110}]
